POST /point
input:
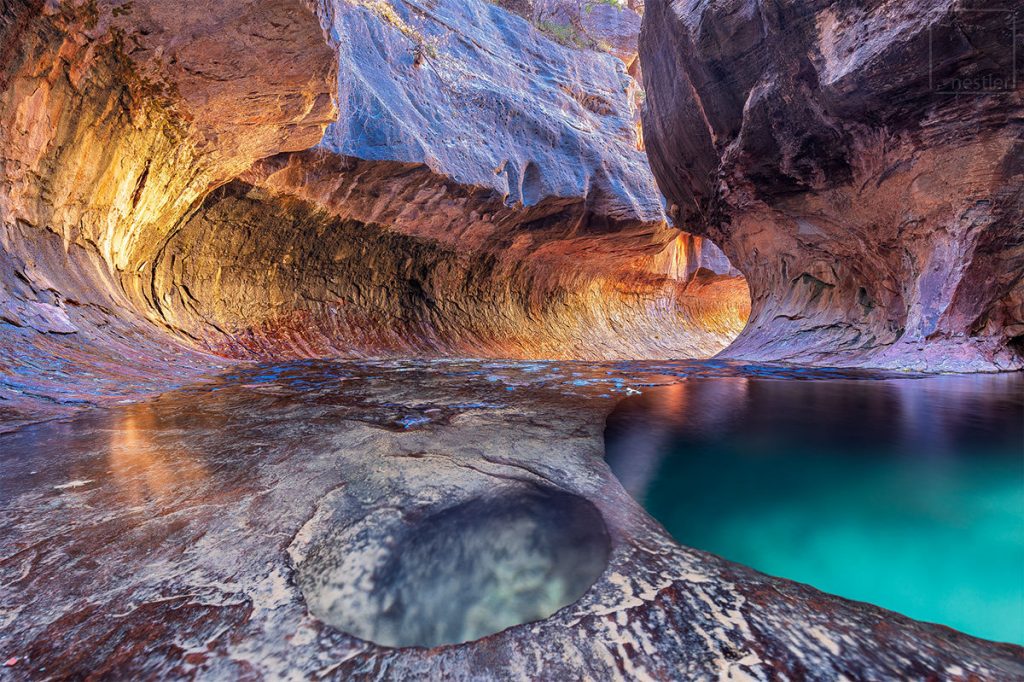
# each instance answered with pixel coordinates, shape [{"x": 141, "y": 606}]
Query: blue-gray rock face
[
  {"x": 481, "y": 96},
  {"x": 491, "y": 181}
]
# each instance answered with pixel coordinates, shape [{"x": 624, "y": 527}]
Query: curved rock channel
[
  {"x": 190, "y": 189},
  {"x": 340, "y": 179},
  {"x": 240, "y": 530}
]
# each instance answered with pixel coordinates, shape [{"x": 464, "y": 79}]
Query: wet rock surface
[
  {"x": 514, "y": 554},
  {"x": 859, "y": 162},
  {"x": 176, "y": 538},
  {"x": 166, "y": 210}
]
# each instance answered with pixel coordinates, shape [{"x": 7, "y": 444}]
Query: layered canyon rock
[
  {"x": 116, "y": 119},
  {"x": 605, "y": 25},
  {"x": 186, "y": 185},
  {"x": 478, "y": 191},
  {"x": 860, "y": 162},
  {"x": 119, "y": 117},
  {"x": 480, "y": 194},
  {"x": 282, "y": 277}
]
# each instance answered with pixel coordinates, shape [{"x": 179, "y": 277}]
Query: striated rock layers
[
  {"x": 480, "y": 194},
  {"x": 860, "y": 162},
  {"x": 168, "y": 187},
  {"x": 255, "y": 274},
  {"x": 116, "y": 119}
]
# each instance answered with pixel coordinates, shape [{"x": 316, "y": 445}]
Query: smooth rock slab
[{"x": 168, "y": 538}]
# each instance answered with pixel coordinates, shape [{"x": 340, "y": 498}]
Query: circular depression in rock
[{"x": 514, "y": 556}]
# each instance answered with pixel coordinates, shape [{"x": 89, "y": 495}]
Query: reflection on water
[
  {"x": 141, "y": 468},
  {"x": 905, "y": 493}
]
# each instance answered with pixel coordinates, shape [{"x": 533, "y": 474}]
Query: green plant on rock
[
  {"x": 589, "y": 6},
  {"x": 563, "y": 34}
]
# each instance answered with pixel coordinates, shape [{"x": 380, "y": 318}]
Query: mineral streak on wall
[{"x": 278, "y": 179}]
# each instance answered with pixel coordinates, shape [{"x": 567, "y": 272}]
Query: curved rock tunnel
[
  {"x": 183, "y": 186},
  {"x": 293, "y": 179},
  {"x": 159, "y": 203},
  {"x": 258, "y": 275}
]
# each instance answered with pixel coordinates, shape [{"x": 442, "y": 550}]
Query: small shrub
[
  {"x": 591, "y": 4},
  {"x": 563, "y": 34},
  {"x": 424, "y": 48}
]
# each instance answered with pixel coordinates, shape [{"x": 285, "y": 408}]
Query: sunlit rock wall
[
  {"x": 260, "y": 275},
  {"x": 480, "y": 194},
  {"x": 119, "y": 117},
  {"x": 116, "y": 119},
  {"x": 877, "y": 217},
  {"x": 167, "y": 190}
]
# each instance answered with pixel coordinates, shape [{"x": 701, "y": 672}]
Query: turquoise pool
[{"x": 905, "y": 493}]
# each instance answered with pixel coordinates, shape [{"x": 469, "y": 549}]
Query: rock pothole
[{"x": 514, "y": 556}]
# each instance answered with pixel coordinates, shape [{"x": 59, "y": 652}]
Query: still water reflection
[{"x": 905, "y": 493}]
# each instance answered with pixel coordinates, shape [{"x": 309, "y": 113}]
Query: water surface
[{"x": 906, "y": 493}]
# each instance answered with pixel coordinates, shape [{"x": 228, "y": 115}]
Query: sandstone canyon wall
[
  {"x": 348, "y": 178},
  {"x": 861, "y": 163},
  {"x": 115, "y": 120},
  {"x": 480, "y": 194}
]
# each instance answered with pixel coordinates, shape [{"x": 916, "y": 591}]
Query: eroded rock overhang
[
  {"x": 482, "y": 182},
  {"x": 116, "y": 119},
  {"x": 876, "y": 216},
  {"x": 495, "y": 200}
]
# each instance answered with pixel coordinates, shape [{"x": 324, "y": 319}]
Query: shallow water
[{"x": 906, "y": 493}]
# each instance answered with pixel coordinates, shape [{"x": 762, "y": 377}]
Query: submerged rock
[{"x": 859, "y": 162}]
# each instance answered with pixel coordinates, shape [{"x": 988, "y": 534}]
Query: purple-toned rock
[
  {"x": 481, "y": 193},
  {"x": 168, "y": 190},
  {"x": 484, "y": 99},
  {"x": 303, "y": 520}
]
